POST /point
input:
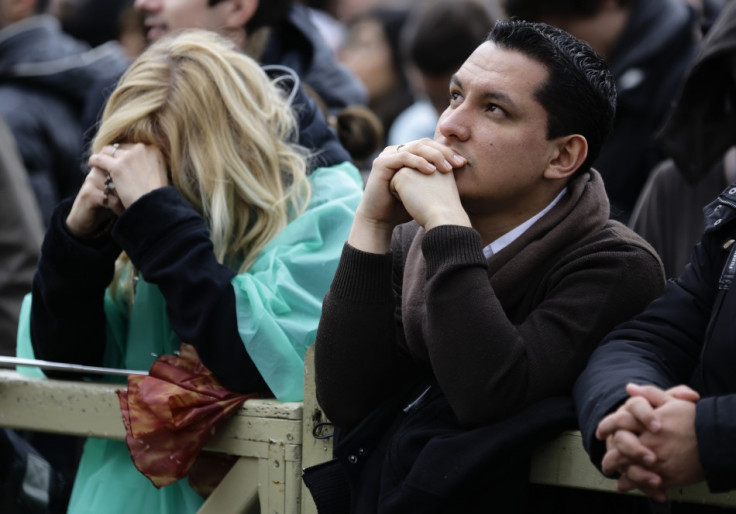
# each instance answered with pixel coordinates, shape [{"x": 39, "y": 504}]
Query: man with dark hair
[
  {"x": 45, "y": 78},
  {"x": 274, "y": 32},
  {"x": 279, "y": 35},
  {"x": 649, "y": 45},
  {"x": 448, "y": 345}
]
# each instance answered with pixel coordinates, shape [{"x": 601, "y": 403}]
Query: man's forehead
[{"x": 494, "y": 67}]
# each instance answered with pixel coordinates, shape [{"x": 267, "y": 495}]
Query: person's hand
[
  {"x": 135, "y": 169},
  {"x": 95, "y": 205},
  {"x": 676, "y": 448},
  {"x": 380, "y": 209},
  {"x": 640, "y": 436},
  {"x": 431, "y": 200}
]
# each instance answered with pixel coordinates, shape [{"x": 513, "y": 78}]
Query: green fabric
[
  {"x": 279, "y": 300},
  {"x": 278, "y": 307}
]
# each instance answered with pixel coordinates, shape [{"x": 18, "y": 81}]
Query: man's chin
[{"x": 155, "y": 33}]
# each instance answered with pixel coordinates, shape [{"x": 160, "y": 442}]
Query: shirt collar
[{"x": 509, "y": 237}]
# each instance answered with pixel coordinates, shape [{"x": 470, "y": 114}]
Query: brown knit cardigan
[{"x": 497, "y": 334}]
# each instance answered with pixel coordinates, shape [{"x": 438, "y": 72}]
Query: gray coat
[{"x": 45, "y": 81}]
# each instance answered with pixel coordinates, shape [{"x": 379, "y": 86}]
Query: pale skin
[
  {"x": 135, "y": 169},
  {"x": 161, "y": 17},
  {"x": 651, "y": 440},
  {"x": 490, "y": 165}
]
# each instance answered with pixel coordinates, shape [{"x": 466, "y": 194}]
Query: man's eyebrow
[{"x": 487, "y": 95}]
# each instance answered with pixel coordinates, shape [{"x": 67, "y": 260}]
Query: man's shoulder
[
  {"x": 616, "y": 234},
  {"x": 615, "y": 248}
]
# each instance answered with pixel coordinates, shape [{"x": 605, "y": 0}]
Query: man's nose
[{"x": 455, "y": 123}]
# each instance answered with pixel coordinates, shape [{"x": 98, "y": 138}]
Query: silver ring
[
  {"x": 398, "y": 148},
  {"x": 115, "y": 147}
]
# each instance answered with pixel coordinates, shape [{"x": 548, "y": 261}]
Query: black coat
[
  {"x": 685, "y": 336},
  {"x": 412, "y": 455}
]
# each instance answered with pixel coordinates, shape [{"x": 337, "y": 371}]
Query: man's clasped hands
[{"x": 651, "y": 442}]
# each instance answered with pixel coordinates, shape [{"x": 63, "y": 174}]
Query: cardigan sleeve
[{"x": 356, "y": 362}]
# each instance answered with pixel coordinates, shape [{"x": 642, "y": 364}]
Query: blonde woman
[{"x": 198, "y": 223}]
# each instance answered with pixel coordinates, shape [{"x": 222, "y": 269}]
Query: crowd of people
[{"x": 494, "y": 219}]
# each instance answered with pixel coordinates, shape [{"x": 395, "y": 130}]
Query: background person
[
  {"x": 46, "y": 78},
  {"x": 372, "y": 52},
  {"x": 439, "y": 36},
  {"x": 698, "y": 137},
  {"x": 273, "y": 32}
]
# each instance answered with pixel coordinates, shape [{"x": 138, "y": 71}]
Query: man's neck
[
  {"x": 509, "y": 237},
  {"x": 493, "y": 225}
]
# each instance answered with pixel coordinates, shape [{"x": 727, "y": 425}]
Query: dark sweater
[
  {"x": 169, "y": 243},
  {"x": 497, "y": 335}
]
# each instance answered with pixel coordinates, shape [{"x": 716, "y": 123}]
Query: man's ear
[
  {"x": 239, "y": 12},
  {"x": 568, "y": 155}
]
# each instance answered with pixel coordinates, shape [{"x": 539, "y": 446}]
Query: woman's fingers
[{"x": 135, "y": 169}]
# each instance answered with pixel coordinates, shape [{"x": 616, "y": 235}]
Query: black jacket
[
  {"x": 685, "y": 336},
  {"x": 296, "y": 43},
  {"x": 412, "y": 455}
]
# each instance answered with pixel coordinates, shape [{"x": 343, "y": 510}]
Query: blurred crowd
[{"x": 394, "y": 59}]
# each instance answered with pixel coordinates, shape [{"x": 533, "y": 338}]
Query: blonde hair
[{"x": 226, "y": 133}]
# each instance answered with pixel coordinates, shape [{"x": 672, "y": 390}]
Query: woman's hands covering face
[{"x": 119, "y": 175}]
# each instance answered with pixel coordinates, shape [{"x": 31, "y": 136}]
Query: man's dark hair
[
  {"x": 439, "y": 36},
  {"x": 536, "y": 10},
  {"x": 268, "y": 13},
  {"x": 579, "y": 95}
]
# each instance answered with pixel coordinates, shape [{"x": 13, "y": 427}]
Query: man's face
[
  {"x": 495, "y": 121},
  {"x": 164, "y": 16},
  {"x": 12, "y": 11}
]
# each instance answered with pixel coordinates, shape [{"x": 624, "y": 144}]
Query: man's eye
[{"x": 495, "y": 108}]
